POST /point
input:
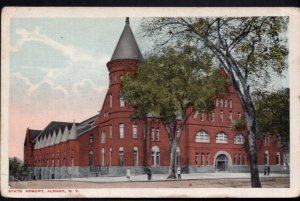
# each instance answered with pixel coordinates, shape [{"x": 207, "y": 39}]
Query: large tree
[
  {"x": 249, "y": 48},
  {"x": 273, "y": 114},
  {"x": 17, "y": 169},
  {"x": 171, "y": 85}
]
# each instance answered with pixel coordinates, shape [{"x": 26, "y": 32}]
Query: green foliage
[
  {"x": 167, "y": 84},
  {"x": 239, "y": 125},
  {"x": 17, "y": 169},
  {"x": 272, "y": 111}
]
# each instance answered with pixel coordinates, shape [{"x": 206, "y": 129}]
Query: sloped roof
[
  {"x": 33, "y": 133},
  {"x": 48, "y": 140},
  {"x": 127, "y": 47}
]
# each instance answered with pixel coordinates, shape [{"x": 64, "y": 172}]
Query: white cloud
[
  {"x": 73, "y": 54},
  {"x": 33, "y": 87},
  {"x": 77, "y": 85}
]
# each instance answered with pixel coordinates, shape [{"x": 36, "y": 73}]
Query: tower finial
[{"x": 127, "y": 20}]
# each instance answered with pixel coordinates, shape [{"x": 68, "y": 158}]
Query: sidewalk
[{"x": 162, "y": 177}]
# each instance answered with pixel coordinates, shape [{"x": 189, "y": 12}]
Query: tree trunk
[
  {"x": 172, "y": 168},
  {"x": 251, "y": 125}
]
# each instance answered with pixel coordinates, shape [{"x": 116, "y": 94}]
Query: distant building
[{"x": 109, "y": 143}]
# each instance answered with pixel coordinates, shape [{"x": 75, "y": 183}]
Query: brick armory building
[{"x": 110, "y": 142}]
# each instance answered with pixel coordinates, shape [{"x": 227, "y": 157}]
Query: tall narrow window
[
  {"x": 225, "y": 103},
  {"x": 212, "y": 117},
  {"x": 110, "y": 100},
  {"x": 195, "y": 115},
  {"x": 234, "y": 159},
  {"x": 239, "y": 159},
  {"x": 122, "y": 102},
  {"x": 135, "y": 156},
  {"x": 221, "y": 103},
  {"x": 102, "y": 157},
  {"x": 230, "y": 104},
  {"x": 202, "y": 159},
  {"x": 266, "y": 158},
  {"x": 277, "y": 158},
  {"x": 230, "y": 116},
  {"x": 152, "y": 134},
  {"x": 157, "y": 134},
  {"x": 197, "y": 158},
  {"x": 267, "y": 139},
  {"x": 103, "y": 137},
  {"x": 110, "y": 131},
  {"x": 72, "y": 161},
  {"x": 217, "y": 102},
  {"x": 121, "y": 156},
  {"x": 134, "y": 130},
  {"x": 110, "y": 156},
  {"x": 221, "y": 116},
  {"x": 91, "y": 158},
  {"x": 91, "y": 139},
  {"x": 207, "y": 158},
  {"x": 155, "y": 156},
  {"x": 242, "y": 159},
  {"x": 121, "y": 130}
]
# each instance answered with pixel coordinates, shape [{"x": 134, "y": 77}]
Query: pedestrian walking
[
  {"x": 149, "y": 173},
  {"x": 128, "y": 175},
  {"x": 265, "y": 170},
  {"x": 269, "y": 170},
  {"x": 178, "y": 173}
]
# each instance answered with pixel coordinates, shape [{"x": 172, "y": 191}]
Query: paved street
[{"x": 199, "y": 180}]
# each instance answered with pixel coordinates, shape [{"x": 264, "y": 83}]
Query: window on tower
[
  {"x": 110, "y": 100},
  {"x": 121, "y": 130},
  {"x": 122, "y": 102},
  {"x": 134, "y": 131},
  {"x": 91, "y": 139}
]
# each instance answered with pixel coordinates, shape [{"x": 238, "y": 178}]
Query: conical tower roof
[
  {"x": 127, "y": 47},
  {"x": 72, "y": 135}
]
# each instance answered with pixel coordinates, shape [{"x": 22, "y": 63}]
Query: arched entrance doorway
[{"x": 221, "y": 163}]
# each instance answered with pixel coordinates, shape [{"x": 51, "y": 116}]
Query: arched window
[
  {"x": 91, "y": 158},
  {"x": 135, "y": 156},
  {"x": 155, "y": 156},
  {"x": 102, "y": 157},
  {"x": 222, "y": 138},
  {"x": 121, "y": 156},
  {"x": 202, "y": 136},
  {"x": 239, "y": 139}
]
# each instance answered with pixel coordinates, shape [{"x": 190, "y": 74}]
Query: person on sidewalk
[
  {"x": 265, "y": 170},
  {"x": 178, "y": 173},
  {"x": 149, "y": 173},
  {"x": 269, "y": 170},
  {"x": 128, "y": 175}
]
